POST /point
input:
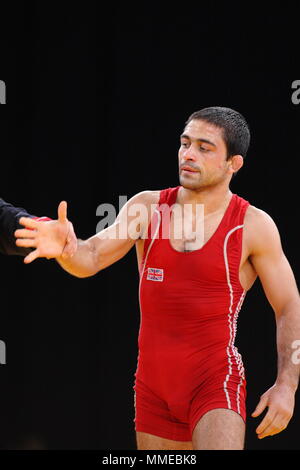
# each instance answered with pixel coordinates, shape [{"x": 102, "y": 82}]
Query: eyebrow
[{"x": 185, "y": 136}]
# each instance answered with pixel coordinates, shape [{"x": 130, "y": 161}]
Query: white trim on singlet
[
  {"x": 148, "y": 251},
  {"x": 232, "y": 329},
  {"x": 236, "y": 354},
  {"x": 144, "y": 264}
]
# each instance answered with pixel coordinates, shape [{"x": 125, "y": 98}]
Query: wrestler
[{"x": 190, "y": 385}]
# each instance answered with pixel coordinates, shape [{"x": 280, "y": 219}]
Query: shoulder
[
  {"x": 259, "y": 219},
  {"x": 140, "y": 209},
  {"x": 143, "y": 203},
  {"x": 146, "y": 198},
  {"x": 257, "y": 216},
  {"x": 261, "y": 232}
]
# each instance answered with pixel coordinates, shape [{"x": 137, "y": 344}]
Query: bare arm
[
  {"x": 98, "y": 251},
  {"x": 280, "y": 287},
  {"x": 114, "y": 242}
]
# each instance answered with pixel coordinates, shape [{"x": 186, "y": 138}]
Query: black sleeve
[{"x": 9, "y": 222}]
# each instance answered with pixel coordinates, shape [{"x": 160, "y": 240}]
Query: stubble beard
[
  {"x": 200, "y": 183},
  {"x": 187, "y": 183}
]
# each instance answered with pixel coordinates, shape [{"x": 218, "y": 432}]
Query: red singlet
[{"x": 189, "y": 301}]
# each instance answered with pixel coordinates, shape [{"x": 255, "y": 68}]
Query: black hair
[{"x": 236, "y": 131}]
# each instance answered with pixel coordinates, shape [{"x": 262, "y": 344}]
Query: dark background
[{"x": 96, "y": 100}]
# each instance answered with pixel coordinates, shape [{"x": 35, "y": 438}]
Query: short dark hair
[{"x": 236, "y": 131}]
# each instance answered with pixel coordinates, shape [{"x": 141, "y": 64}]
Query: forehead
[{"x": 197, "y": 129}]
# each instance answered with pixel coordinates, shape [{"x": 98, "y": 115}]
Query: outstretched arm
[
  {"x": 95, "y": 253},
  {"x": 280, "y": 287}
]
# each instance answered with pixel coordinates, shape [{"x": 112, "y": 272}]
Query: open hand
[{"x": 51, "y": 239}]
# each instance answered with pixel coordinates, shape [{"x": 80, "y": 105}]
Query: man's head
[{"x": 214, "y": 143}]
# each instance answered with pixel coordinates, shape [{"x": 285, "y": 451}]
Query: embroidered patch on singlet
[{"x": 155, "y": 274}]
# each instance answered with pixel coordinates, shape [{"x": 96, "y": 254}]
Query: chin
[{"x": 189, "y": 184}]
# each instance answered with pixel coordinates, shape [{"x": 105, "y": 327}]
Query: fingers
[
  {"x": 265, "y": 424},
  {"x": 62, "y": 211},
  {"x": 261, "y": 406},
  {"x": 280, "y": 410},
  {"x": 26, "y": 242},
  {"x": 275, "y": 421},
  {"x": 24, "y": 233},
  {"x": 31, "y": 257},
  {"x": 275, "y": 426},
  {"x": 28, "y": 222}
]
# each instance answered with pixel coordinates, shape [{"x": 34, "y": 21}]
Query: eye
[
  {"x": 184, "y": 144},
  {"x": 204, "y": 149}
]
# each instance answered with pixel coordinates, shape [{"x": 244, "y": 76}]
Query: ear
[{"x": 236, "y": 162}]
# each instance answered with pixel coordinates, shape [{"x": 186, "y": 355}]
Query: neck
[{"x": 213, "y": 198}]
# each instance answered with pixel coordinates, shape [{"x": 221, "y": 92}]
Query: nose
[{"x": 189, "y": 154}]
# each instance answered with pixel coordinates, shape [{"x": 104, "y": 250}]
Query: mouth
[{"x": 188, "y": 169}]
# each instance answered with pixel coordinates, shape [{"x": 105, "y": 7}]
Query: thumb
[
  {"x": 261, "y": 406},
  {"x": 62, "y": 211}
]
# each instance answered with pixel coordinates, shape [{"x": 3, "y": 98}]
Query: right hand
[{"x": 51, "y": 239}]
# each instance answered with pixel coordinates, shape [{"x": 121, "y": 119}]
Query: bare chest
[{"x": 190, "y": 233}]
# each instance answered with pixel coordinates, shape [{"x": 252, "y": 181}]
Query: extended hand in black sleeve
[{"x": 9, "y": 222}]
